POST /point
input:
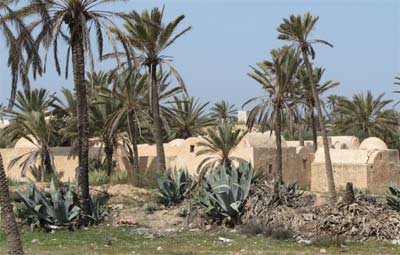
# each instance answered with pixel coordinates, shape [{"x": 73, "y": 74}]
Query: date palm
[
  {"x": 31, "y": 120},
  {"x": 22, "y": 53},
  {"x": 223, "y": 111},
  {"x": 74, "y": 21},
  {"x": 218, "y": 146},
  {"x": 130, "y": 94},
  {"x": 308, "y": 97},
  {"x": 367, "y": 116},
  {"x": 147, "y": 35},
  {"x": 187, "y": 117},
  {"x": 7, "y": 215},
  {"x": 278, "y": 79},
  {"x": 99, "y": 111},
  {"x": 297, "y": 30}
]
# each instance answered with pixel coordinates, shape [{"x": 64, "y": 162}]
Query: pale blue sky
[{"x": 228, "y": 36}]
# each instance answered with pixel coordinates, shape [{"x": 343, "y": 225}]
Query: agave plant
[
  {"x": 50, "y": 210},
  {"x": 172, "y": 187},
  {"x": 393, "y": 199},
  {"x": 56, "y": 209},
  {"x": 225, "y": 191}
]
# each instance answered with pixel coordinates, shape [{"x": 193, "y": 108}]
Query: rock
[
  {"x": 322, "y": 251},
  {"x": 225, "y": 240},
  {"x": 159, "y": 248}
]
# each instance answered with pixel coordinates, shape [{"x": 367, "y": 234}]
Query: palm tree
[
  {"x": 297, "y": 30},
  {"x": 366, "y": 116},
  {"x": 147, "y": 34},
  {"x": 187, "y": 118},
  {"x": 99, "y": 112},
  {"x": 223, "y": 111},
  {"x": 32, "y": 121},
  {"x": 278, "y": 79},
  {"x": 129, "y": 93},
  {"x": 308, "y": 97},
  {"x": 73, "y": 21},
  {"x": 7, "y": 215},
  {"x": 22, "y": 53},
  {"x": 219, "y": 141}
]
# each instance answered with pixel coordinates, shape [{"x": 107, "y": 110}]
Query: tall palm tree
[
  {"x": 73, "y": 21},
  {"x": 129, "y": 93},
  {"x": 297, "y": 30},
  {"x": 223, "y": 111},
  {"x": 218, "y": 145},
  {"x": 150, "y": 37},
  {"x": 366, "y": 116},
  {"x": 278, "y": 79},
  {"x": 7, "y": 215},
  {"x": 187, "y": 117},
  {"x": 32, "y": 120},
  {"x": 22, "y": 53},
  {"x": 308, "y": 97}
]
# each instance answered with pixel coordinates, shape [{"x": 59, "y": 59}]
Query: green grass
[{"x": 107, "y": 240}]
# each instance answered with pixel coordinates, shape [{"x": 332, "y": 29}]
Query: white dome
[{"x": 373, "y": 143}]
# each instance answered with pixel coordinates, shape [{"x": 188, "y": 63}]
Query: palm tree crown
[{"x": 366, "y": 116}]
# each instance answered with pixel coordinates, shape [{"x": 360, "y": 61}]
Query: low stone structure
[{"x": 369, "y": 166}]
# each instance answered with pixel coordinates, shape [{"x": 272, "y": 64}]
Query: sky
[{"x": 229, "y": 35}]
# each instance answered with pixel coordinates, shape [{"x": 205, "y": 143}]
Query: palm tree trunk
[
  {"x": 328, "y": 162},
  {"x": 278, "y": 140},
  {"x": 47, "y": 162},
  {"x": 78, "y": 63},
  {"x": 301, "y": 134},
  {"x": 278, "y": 158},
  {"x": 134, "y": 176},
  {"x": 314, "y": 128},
  {"x": 155, "y": 107},
  {"x": 108, "y": 151},
  {"x": 7, "y": 216}
]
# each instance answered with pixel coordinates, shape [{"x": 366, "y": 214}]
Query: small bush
[
  {"x": 172, "y": 187},
  {"x": 253, "y": 229},
  {"x": 150, "y": 207},
  {"x": 329, "y": 241},
  {"x": 97, "y": 178},
  {"x": 119, "y": 177},
  {"x": 256, "y": 229}
]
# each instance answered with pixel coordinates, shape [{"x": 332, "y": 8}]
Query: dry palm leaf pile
[{"x": 357, "y": 221}]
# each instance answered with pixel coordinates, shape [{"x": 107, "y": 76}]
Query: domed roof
[
  {"x": 262, "y": 140},
  {"x": 373, "y": 143}
]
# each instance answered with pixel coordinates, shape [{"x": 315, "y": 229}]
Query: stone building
[{"x": 370, "y": 165}]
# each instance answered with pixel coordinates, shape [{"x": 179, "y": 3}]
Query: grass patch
[{"x": 123, "y": 241}]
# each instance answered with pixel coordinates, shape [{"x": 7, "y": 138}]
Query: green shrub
[
  {"x": 224, "y": 193},
  {"x": 150, "y": 207},
  {"x": 55, "y": 209},
  {"x": 393, "y": 199},
  {"x": 172, "y": 187},
  {"x": 37, "y": 170},
  {"x": 119, "y": 177},
  {"x": 97, "y": 178}
]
